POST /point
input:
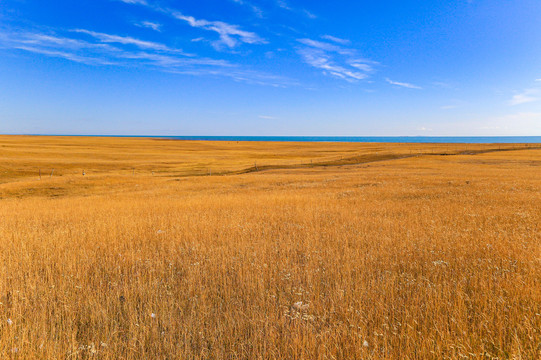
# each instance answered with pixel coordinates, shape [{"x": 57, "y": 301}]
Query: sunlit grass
[{"x": 428, "y": 257}]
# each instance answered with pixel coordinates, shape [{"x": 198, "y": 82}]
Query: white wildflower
[
  {"x": 300, "y": 306},
  {"x": 365, "y": 343},
  {"x": 440, "y": 263},
  {"x": 10, "y": 322},
  {"x": 153, "y": 315}
]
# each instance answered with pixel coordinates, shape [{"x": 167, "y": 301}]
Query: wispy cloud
[
  {"x": 336, "y": 39},
  {"x": 149, "y": 24},
  {"x": 529, "y": 95},
  {"x": 309, "y": 14},
  {"x": 335, "y": 60},
  {"x": 403, "y": 84},
  {"x": 362, "y": 64},
  {"x": 102, "y": 52},
  {"x": 286, "y": 6},
  {"x": 255, "y": 9},
  {"x": 266, "y": 117},
  {"x": 53, "y": 45},
  {"x": 320, "y": 60},
  {"x": 283, "y": 4},
  {"x": 324, "y": 46},
  {"x": 115, "y": 50},
  {"x": 140, "y": 2},
  {"x": 230, "y": 35},
  {"x": 242, "y": 75},
  {"x": 126, "y": 40},
  {"x": 66, "y": 55}
]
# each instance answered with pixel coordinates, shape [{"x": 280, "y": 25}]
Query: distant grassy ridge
[
  {"x": 23, "y": 157},
  {"x": 368, "y": 158}
]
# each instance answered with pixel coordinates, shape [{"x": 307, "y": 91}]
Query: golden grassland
[{"x": 328, "y": 251}]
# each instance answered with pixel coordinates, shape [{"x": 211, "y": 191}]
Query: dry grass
[{"x": 423, "y": 257}]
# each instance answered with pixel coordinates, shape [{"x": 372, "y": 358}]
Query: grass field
[{"x": 222, "y": 250}]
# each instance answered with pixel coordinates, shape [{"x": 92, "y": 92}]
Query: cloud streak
[
  {"x": 335, "y": 60},
  {"x": 126, "y": 40},
  {"x": 150, "y": 25},
  {"x": 403, "y": 84},
  {"x": 66, "y": 55},
  {"x": 115, "y": 50},
  {"x": 138, "y": 2},
  {"x": 336, "y": 40},
  {"x": 256, "y": 10},
  {"x": 230, "y": 35},
  {"x": 283, "y": 4},
  {"x": 529, "y": 95}
]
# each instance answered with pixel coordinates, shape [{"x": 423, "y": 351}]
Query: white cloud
[
  {"x": 114, "y": 50},
  {"x": 283, "y": 4},
  {"x": 403, "y": 84},
  {"x": 230, "y": 35},
  {"x": 65, "y": 55},
  {"x": 244, "y": 76},
  {"x": 323, "y": 46},
  {"x": 363, "y": 66},
  {"x": 49, "y": 44},
  {"x": 336, "y": 40},
  {"x": 140, "y": 2},
  {"x": 309, "y": 14},
  {"x": 149, "y": 24},
  {"x": 529, "y": 95},
  {"x": 320, "y": 60},
  {"x": 266, "y": 117},
  {"x": 126, "y": 40},
  {"x": 335, "y": 60},
  {"x": 537, "y": 79},
  {"x": 172, "y": 62},
  {"x": 103, "y": 53},
  {"x": 257, "y": 11}
]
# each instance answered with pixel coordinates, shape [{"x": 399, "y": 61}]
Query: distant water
[{"x": 370, "y": 139}]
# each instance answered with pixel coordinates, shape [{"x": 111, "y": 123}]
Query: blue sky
[{"x": 271, "y": 67}]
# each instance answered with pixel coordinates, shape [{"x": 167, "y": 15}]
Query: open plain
[{"x": 169, "y": 249}]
